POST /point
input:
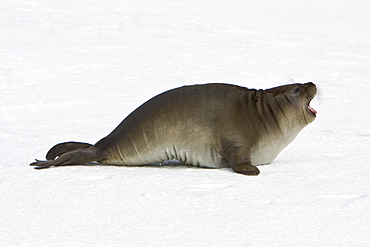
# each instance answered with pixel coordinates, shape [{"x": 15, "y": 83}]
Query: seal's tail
[{"x": 65, "y": 147}]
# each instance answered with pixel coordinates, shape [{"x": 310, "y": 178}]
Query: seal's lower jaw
[{"x": 310, "y": 114}]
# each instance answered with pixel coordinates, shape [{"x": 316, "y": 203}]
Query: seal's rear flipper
[
  {"x": 75, "y": 157},
  {"x": 65, "y": 147}
]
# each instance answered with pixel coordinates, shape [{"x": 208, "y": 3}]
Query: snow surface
[{"x": 72, "y": 70}]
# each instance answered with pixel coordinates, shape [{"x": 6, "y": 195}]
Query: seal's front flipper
[
  {"x": 75, "y": 157},
  {"x": 246, "y": 168},
  {"x": 239, "y": 158}
]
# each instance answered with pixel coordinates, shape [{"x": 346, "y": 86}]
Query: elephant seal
[{"x": 210, "y": 125}]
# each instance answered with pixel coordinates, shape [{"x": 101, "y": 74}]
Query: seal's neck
[{"x": 276, "y": 117}]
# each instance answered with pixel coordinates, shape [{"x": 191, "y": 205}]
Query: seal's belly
[{"x": 202, "y": 156}]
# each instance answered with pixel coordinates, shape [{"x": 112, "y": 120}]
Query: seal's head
[{"x": 296, "y": 100}]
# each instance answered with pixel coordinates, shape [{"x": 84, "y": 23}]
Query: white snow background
[{"x": 73, "y": 70}]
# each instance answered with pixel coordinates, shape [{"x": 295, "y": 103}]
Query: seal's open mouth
[
  {"x": 311, "y": 92},
  {"x": 313, "y": 111}
]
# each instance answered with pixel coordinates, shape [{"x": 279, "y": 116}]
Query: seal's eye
[{"x": 297, "y": 90}]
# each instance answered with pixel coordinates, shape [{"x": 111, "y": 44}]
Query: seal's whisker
[
  {"x": 319, "y": 96},
  {"x": 290, "y": 80}
]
